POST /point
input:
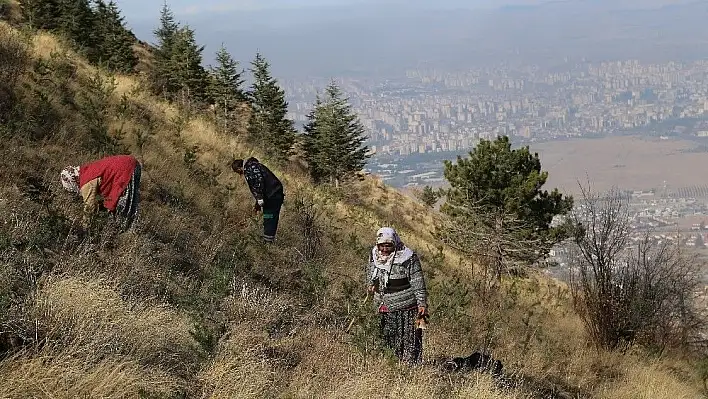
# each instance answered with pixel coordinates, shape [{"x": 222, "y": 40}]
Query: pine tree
[
  {"x": 311, "y": 141},
  {"x": 429, "y": 196},
  {"x": 186, "y": 72},
  {"x": 495, "y": 176},
  {"x": 334, "y": 138},
  {"x": 166, "y": 35},
  {"x": 225, "y": 86},
  {"x": 114, "y": 44},
  {"x": 41, "y": 14},
  {"x": 268, "y": 125},
  {"x": 76, "y": 21},
  {"x": 96, "y": 29},
  {"x": 498, "y": 211}
]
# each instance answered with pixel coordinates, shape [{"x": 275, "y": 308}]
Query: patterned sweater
[
  {"x": 406, "y": 284},
  {"x": 261, "y": 181}
]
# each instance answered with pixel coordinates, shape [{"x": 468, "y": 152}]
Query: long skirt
[
  {"x": 401, "y": 336},
  {"x": 128, "y": 203}
]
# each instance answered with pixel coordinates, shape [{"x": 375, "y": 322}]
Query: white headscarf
[
  {"x": 70, "y": 179},
  {"x": 384, "y": 262}
]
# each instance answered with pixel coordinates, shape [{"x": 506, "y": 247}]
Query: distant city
[{"x": 426, "y": 115}]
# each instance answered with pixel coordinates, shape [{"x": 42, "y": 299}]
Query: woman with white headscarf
[
  {"x": 113, "y": 182},
  {"x": 396, "y": 278}
]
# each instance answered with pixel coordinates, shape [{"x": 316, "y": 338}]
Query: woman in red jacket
[{"x": 116, "y": 179}]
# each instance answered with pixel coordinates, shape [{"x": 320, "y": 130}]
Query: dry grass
[
  {"x": 91, "y": 315},
  {"x": 649, "y": 380},
  {"x": 45, "y": 44},
  {"x": 97, "y": 345},
  {"x": 10, "y": 11},
  {"x": 67, "y": 375},
  {"x": 240, "y": 369},
  {"x": 319, "y": 363}
]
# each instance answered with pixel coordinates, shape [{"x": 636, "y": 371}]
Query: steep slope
[{"x": 190, "y": 303}]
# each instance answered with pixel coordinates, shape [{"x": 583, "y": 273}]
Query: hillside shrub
[{"x": 631, "y": 291}]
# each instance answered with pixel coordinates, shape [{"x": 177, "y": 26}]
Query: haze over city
[{"x": 331, "y": 38}]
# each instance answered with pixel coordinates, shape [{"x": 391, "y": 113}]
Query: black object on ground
[{"x": 476, "y": 361}]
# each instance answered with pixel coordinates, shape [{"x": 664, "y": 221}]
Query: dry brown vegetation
[
  {"x": 190, "y": 303},
  {"x": 10, "y": 11},
  {"x": 628, "y": 162}
]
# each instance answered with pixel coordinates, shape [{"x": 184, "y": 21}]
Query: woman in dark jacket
[{"x": 396, "y": 278}]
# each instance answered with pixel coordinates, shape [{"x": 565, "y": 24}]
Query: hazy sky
[
  {"x": 138, "y": 9},
  {"x": 329, "y": 37}
]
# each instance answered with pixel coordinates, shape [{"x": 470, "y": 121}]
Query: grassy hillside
[{"x": 191, "y": 304}]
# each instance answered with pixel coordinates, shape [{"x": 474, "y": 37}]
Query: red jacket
[{"x": 115, "y": 173}]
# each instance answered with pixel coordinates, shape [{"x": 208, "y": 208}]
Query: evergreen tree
[
  {"x": 225, "y": 86},
  {"x": 76, "y": 21},
  {"x": 186, "y": 72},
  {"x": 114, "y": 41},
  {"x": 428, "y": 196},
  {"x": 498, "y": 210},
  {"x": 497, "y": 177},
  {"x": 311, "y": 139},
  {"x": 166, "y": 32},
  {"x": 334, "y": 138},
  {"x": 41, "y": 14},
  {"x": 98, "y": 31},
  {"x": 73, "y": 19},
  {"x": 268, "y": 125},
  {"x": 166, "y": 35}
]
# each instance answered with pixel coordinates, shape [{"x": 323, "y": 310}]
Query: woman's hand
[{"x": 422, "y": 321}]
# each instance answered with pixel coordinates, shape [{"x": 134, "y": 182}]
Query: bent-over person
[
  {"x": 112, "y": 182},
  {"x": 267, "y": 190}
]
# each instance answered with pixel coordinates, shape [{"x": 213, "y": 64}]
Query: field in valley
[{"x": 627, "y": 162}]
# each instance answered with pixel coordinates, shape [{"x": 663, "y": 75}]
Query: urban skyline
[{"x": 435, "y": 111}]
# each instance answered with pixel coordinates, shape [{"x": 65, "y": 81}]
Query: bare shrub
[
  {"x": 627, "y": 290},
  {"x": 255, "y": 303},
  {"x": 308, "y": 218},
  {"x": 14, "y": 54},
  {"x": 311, "y": 250},
  {"x": 498, "y": 240}
]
